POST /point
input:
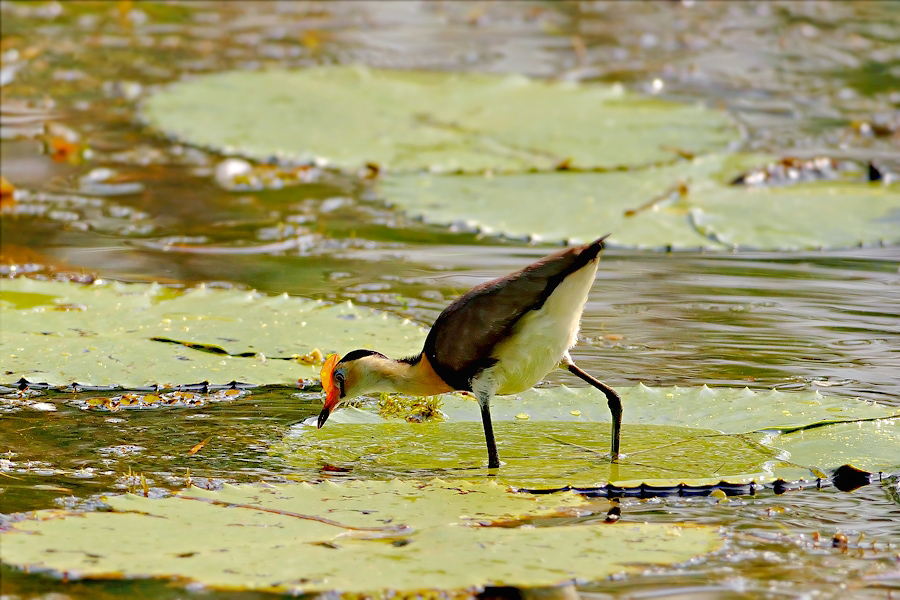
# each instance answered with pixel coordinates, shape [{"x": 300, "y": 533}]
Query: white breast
[{"x": 541, "y": 337}]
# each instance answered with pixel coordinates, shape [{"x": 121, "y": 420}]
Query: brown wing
[{"x": 462, "y": 338}]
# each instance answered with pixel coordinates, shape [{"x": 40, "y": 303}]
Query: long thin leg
[
  {"x": 493, "y": 458},
  {"x": 612, "y": 399}
]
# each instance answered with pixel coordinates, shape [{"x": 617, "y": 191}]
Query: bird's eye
[{"x": 339, "y": 380}]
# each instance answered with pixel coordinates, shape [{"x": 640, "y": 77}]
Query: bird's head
[{"x": 348, "y": 377}]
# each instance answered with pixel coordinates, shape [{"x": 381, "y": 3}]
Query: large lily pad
[
  {"x": 533, "y": 453},
  {"x": 412, "y": 120},
  {"x": 730, "y": 410},
  {"x": 560, "y": 436},
  {"x": 308, "y": 538},
  {"x": 870, "y": 445},
  {"x": 694, "y": 207},
  {"x": 136, "y": 334}
]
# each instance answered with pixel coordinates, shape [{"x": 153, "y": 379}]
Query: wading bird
[{"x": 499, "y": 338}]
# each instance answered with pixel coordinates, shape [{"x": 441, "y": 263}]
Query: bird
[{"x": 499, "y": 338}]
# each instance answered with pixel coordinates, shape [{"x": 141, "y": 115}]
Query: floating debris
[
  {"x": 410, "y": 408},
  {"x": 7, "y": 194},
  {"x": 170, "y": 399},
  {"x": 107, "y": 182},
  {"x": 239, "y": 175},
  {"x": 789, "y": 170}
]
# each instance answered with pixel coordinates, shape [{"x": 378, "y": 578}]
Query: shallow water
[{"x": 799, "y": 76}]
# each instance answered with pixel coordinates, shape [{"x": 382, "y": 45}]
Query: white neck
[{"x": 380, "y": 374}]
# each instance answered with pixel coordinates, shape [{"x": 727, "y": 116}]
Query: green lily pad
[
  {"x": 312, "y": 538},
  {"x": 413, "y": 120},
  {"x": 560, "y": 436},
  {"x": 534, "y": 453},
  {"x": 798, "y": 217},
  {"x": 135, "y": 334},
  {"x": 868, "y": 445},
  {"x": 730, "y": 410},
  {"x": 646, "y": 208}
]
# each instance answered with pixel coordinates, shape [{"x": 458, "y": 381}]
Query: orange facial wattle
[{"x": 327, "y": 372}]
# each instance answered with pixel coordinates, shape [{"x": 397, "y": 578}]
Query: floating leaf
[
  {"x": 356, "y": 537},
  {"x": 413, "y": 120},
  {"x": 672, "y": 435},
  {"x": 731, "y": 410},
  {"x": 533, "y": 453},
  {"x": 869, "y": 445},
  {"x": 684, "y": 205},
  {"x": 136, "y": 334}
]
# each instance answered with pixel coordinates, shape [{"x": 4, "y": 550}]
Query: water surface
[{"x": 803, "y": 79}]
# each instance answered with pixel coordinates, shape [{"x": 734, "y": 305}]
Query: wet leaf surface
[
  {"x": 534, "y": 454},
  {"x": 671, "y": 436},
  {"x": 871, "y": 444},
  {"x": 140, "y": 335},
  {"x": 646, "y": 209},
  {"x": 408, "y": 121},
  {"x": 355, "y": 537}
]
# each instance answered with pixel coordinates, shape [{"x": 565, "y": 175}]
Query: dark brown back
[{"x": 460, "y": 342}]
